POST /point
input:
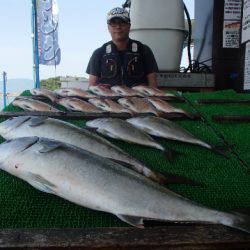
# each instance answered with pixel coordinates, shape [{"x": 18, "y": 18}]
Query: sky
[{"x": 82, "y": 29}]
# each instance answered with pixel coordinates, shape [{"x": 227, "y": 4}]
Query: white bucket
[{"x": 160, "y": 25}]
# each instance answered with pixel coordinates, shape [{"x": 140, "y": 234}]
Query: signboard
[
  {"x": 47, "y": 23},
  {"x": 232, "y": 10},
  {"x": 232, "y": 24},
  {"x": 247, "y": 68},
  {"x": 231, "y": 34},
  {"x": 246, "y": 22}
]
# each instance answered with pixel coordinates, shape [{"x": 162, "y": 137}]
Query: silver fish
[
  {"x": 166, "y": 129},
  {"x": 138, "y": 105},
  {"x": 44, "y": 92},
  {"x": 74, "y": 92},
  {"x": 102, "y": 91},
  {"x": 100, "y": 184},
  {"x": 29, "y": 104},
  {"x": 75, "y": 104},
  {"x": 108, "y": 105},
  {"x": 122, "y": 130},
  {"x": 125, "y": 91},
  {"x": 149, "y": 91},
  {"x": 63, "y": 131}
]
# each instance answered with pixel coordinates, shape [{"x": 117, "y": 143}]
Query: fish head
[
  {"x": 12, "y": 147},
  {"x": 96, "y": 123},
  {"x": 12, "y": 124}
]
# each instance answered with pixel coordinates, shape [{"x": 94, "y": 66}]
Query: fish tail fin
[
  {"x": 241, "y": 221},
  {"x": 171, "y": 154},
  {"x": 169, "y": 178},
  {"x": 221, "y": 150}
]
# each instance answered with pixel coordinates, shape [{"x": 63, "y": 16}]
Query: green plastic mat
[{"x": 226, "y": 183}]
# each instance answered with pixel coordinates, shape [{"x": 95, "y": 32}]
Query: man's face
[{"x": 119, "y": 30}]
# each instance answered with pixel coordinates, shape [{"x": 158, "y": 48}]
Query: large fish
[
  {"x": 149, "y": 91},
  {"x": 45, "y": 93},
  {"x": 108, "y": 105},
  {"x": 122, "y": 130},
  {"x": 138, "y": 105},
  {"x": 100, "y": 184},
  {"x": 102, "y": 91},
  {"x": 29, "y": 104},
  {"x": 165, "y": 107},
  {"x": 125, "y": 91},
  {"x": 62, "y": 131},
  {"x": 76, "y": 104},
  {"x": 169, "y": 130},
  {"x": 74, "y": 92}
]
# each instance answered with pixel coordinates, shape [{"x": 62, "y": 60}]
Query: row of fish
[
  {"x": 133, "y": 105},
  {"x": 94, "y": 91},
  {"x": 88, "y": 176}
]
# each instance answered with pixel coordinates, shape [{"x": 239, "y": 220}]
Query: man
[{"x": 122, "y": 61}]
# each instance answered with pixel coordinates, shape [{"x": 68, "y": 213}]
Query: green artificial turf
[{"x": 226, "y": 182}]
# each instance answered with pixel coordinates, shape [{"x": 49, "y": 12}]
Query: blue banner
[{"x": 47, "y": 24}]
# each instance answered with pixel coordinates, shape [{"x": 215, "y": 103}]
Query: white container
[{"x": 160, "y": 25}]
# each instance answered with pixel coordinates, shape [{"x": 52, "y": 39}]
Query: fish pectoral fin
[
  {"x": 49, "y": 145},
  {"x": 132, "y": 220},
  {"x": 41, "y": 184},
  {"x": 36, "y": 121}
]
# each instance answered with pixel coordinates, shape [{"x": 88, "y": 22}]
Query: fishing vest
[{"x": 127, "y": 69}]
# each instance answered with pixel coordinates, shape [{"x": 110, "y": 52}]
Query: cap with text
[{"x": 118, "y": 13}]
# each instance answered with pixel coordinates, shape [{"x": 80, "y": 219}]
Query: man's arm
[
  {"x": 151, "y": 67},
  {"x": 92, "y": 80},
  {"x": 152, "y": 81},
  {"x": 93, "y": 68}
]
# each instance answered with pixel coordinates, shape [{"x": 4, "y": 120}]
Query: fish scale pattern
[{"x": 226, "y": 183}]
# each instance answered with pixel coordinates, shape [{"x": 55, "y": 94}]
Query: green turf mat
[{"x": 227, "y": 184}]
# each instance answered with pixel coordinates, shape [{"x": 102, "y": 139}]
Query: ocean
[{"x": 15, "y": 86}]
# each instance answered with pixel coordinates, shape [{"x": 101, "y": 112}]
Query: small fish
[
  {"x": 108, "y": 105},
  {"x": 29, "y": 104},
  {"x": 44, "y": 92},
  {"x": 98, "y": 183},
  {"x": 74, "y": 92},
  {"x": 148, "y": 91},
  {"x": 138, "y": 105},
  {"x": 102, "y": 91},
  {"x": 122, "y": 130},
  {"x": 164, "y": 128},
  {"x": 125, "y": 91},
  {"x": 165, "y": 107},
  {"x": 75, "y": 104}
]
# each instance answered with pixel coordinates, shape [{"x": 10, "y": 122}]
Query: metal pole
[
  {"x": 35, "y": 44},
  {"x": 4, "y": 89}
]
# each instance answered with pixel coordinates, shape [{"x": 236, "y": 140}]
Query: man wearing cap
[{"x": 122, "y": 61}]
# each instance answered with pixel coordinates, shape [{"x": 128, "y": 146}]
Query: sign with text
[{"x": 232, "y": 23}]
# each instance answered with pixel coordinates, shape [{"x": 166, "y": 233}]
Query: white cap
[{"x": 118, "y": 13}]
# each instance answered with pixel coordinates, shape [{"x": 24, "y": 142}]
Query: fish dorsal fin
[
  {"x": 36, "y": 121},
  {"x": 132, "y": 220},
  {"x": 49, "y": 145},
  {"x": 40, "y": 183}
]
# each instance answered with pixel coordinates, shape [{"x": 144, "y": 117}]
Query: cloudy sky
[{"x": 82, "y": 29}]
